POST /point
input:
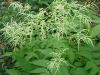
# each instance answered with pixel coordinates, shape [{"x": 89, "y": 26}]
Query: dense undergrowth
[{"x": 60, "y": 39}]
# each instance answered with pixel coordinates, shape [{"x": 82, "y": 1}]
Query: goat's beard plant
[
  {"x": 58, "y": 19},
  {"x": 56, "y": 27}
]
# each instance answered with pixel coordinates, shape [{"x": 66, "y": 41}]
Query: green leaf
[
  {"x": 8, "y": 54},
  {"x": 46, "y": 51},
  {"x": 96, "y": 47},
  {"x": 64, "y": 71},
  {"x": 97, "y": 20},
  {"x": 44, "y": 44},
  {"x": 78, "y": 64},
  {"x": 39, "y": 70},
  {"x": 24, "y": 64},
  {"x": 95, "y": 31},
  {"x": 97, "y": 62},
  {"x": 96, "y": 54},
  {"x": 43, "y": 63},
  {"x": 46, "y": 73},
  {"x": 30, "y": 55},
  {"x": 89, "y": 65},
  {"x": 93, "y": 12},
  {"x": 94, "y": 70},
  {"x": 95, "y": 16},
  {"x": 71, "y": 56},
  {"x": 13, "y": 72},
  {"x": 99, "y": 72},
  {"x": 85, "y": 48},
  {"x": 78, "y": 71},
  {"x": 86, "y": 54}
]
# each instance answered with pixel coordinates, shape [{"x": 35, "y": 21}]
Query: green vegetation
[{"x": 50, "y": 38}]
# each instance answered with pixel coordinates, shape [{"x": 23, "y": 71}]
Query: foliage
[
  {"x": 5, "y": 62},
  {"x": 35, "y": 4},
  {"x": 58, "y": 40}
]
